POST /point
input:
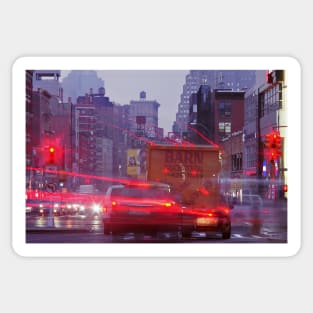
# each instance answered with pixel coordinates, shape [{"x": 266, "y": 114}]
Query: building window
[
  {"x": 280, "y": 96},
  {"x": 224, "y": 128},
  {"x": 224, "y": 109},
  {"x": 236, "y": 162},
  {"x": 271, "y": 100},
  {"x": 251, "y": 157}
]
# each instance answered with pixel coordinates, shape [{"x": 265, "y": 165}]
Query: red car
[{"x": 141, "y": 209}]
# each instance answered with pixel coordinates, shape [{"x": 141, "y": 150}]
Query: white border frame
[{"x": 293, "y": 69}]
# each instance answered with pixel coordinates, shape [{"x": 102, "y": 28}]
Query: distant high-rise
[
  {"x": 80, "y": 82},
  {"x": 143, "y": 116},
  {"x": 223, "y": 79},
  {"x": 202, "y": 114}
]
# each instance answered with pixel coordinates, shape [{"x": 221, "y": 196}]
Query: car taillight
[
  {"x": 224, "y": 209},
  {"x": 105, "y": 209},
  {"x": 168, "y": 204}
]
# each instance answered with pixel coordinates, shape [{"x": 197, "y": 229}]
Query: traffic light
[
  {"x": 51, "y": 154},
  {"x": 267, "y": 142},
  {"x": 273, "y": 143},
  {"x": 273, "y": 155},
  {"x": 276, "y": 145}
]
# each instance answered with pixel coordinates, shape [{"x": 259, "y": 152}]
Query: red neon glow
[
  {"x": 203, "y": 137},
  {"x": 194, "y": 172},
  {"x": 132, "y": 134},
  {"x": 142, "y": 208},
  {"x": 203, "y": 191},
  {"x": 272, "y": 144},
  {"x": 171, "y": 141},
  {"x": 165, "y": 170},
  {"x": 85, "y": 176},
  {"x": 179, "y": 141}
]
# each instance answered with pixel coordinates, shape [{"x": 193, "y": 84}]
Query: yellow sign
[
  {"x": 136, "y": 162},
  {"x": 132, "y": 162}
]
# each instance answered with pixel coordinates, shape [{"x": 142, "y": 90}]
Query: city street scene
[{"x": 156, "y": 156}]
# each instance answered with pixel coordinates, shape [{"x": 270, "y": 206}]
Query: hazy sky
[{"x": 164, "y": 86}]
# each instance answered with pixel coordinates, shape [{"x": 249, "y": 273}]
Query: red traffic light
[
  {"x": 51, "y": 155},
  {"x": 273, "y": 143},
  {"x": 268, "y": 141},
  {"x": 273, "y": 155}
]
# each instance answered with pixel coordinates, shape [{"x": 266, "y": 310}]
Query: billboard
[{"x": 136, "y": 163}]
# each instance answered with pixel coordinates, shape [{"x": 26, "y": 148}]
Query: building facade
[
  {"x": 232, "y": 165},
  {"x": 229, "y": 112},
  {"x": 265, "y": 114},
  {"x": 29, "y": 117},
  {"x": 92, "y": 143},
  {"x": 48, "y": 80},
  {"x": 217, "y": 79},
  {"x": 143, "y": 116},
  {"x": 201, "y": 127}
]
